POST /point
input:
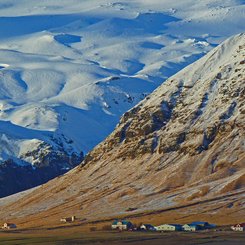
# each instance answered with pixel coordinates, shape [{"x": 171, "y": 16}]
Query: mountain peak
[
  {"x": 69, "y": 71},
  {"x": 182, "y": 146}
]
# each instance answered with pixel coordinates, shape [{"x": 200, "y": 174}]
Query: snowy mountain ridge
[
  {"x": 177, "y": 155},
  {"x": 69, "y": 70}
]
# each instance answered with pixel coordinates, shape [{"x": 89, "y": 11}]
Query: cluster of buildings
[
  {"x": 125, "y": 225},
  {"x": 9, "y": 226},
  {"x": 194, "y": 226}
]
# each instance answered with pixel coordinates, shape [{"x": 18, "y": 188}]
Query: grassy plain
[{"x": 81, "y": 236}]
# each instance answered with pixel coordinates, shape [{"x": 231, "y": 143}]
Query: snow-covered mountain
[
  {"x": 176, "y": 156},
  {"x": 70, "y": 69}
]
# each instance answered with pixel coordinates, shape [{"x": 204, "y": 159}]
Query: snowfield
[{"x": 70, "y": 69}]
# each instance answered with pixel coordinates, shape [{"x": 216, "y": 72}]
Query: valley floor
[{"x": 115, "y": 238}]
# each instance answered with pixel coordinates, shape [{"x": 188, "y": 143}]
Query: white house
[
  {"x": 190, "y": 227},
  {"x": 238, "y": 227},
  {"x": 168, "y": 227},
  {"x": 121, "y": 225}
]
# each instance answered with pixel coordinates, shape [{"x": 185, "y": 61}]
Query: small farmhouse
[
  {"x": 9, "y": 226},
  {"x": 121, "y": 225},
  {"x": 68, "y": 219},
  {"x": 190, "y": 227},
  {"x": 147, "y": 227},
  {"x": 169, "y": 227},
  {"x": 238, "y": 227}
]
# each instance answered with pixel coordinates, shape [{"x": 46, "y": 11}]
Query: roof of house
[
  {"x": 124, "y": 222},
  {"x": 199, "y": 223},
  {"x": 190, "y": 225},
  {"x": 148, "y": 225},
  {"x": 240, "y": 225},
  {"x": 176, "y": 225}
]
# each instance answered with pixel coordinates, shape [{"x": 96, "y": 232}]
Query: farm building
[
  {"x": 238, "y": 227},
  {"x": 190, "y": 227},
  {"x": 201, "y": 224},
  {"x": 147, "y": 227},
  {"x": 121, "y": 225},
  {"x": 9, "y": 226},
  {"x": 169, "y": 227},
  {"x": 68, "y": 219}
]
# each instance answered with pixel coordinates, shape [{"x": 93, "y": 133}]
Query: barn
[{"x": 168, "y": 227}]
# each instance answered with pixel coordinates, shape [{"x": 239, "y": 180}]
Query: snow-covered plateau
[{"x": 70, "y": 69}]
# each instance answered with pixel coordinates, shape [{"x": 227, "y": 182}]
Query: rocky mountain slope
[
  {"x": 182, "y": 149},
  {"x": 70, "y": 69}
]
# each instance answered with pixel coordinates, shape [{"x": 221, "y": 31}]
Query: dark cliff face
[{"x": 15, "y": 178}]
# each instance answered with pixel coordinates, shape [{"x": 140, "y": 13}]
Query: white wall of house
[
  {"x": 119, "y": 226},
  {"x": 237, "y": 228},
  {"x": 165, "y": 227},
  {"x": 189, "y": 228}
]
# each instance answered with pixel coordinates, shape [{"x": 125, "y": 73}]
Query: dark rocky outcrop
[{"x": 15, "y": 178}]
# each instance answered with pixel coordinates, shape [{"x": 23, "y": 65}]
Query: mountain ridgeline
[
  {"x": 63, "y": 88},
  {"x": 182, "y": 145},
  {"x": 194, "y": 121}
]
